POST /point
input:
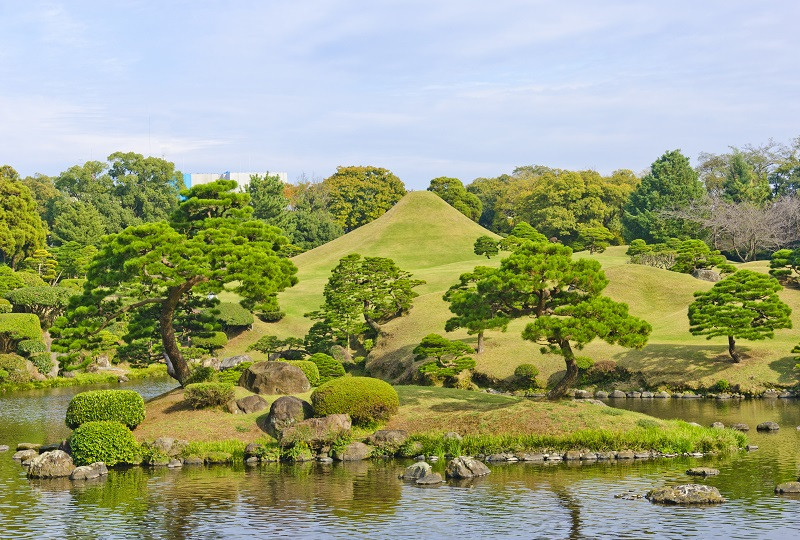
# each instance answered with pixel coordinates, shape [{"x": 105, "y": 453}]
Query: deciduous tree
[
  {"x": 454, "y": 193},
  {"x": 358, "y": 195},
  {"x": 21, "y": 229}
]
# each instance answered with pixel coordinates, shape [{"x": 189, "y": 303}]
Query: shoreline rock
[{"x": 686, "y": 494}]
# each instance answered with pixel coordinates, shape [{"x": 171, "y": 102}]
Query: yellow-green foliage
[
  {"x": 15, "y": 327},
  {"x": 365, "y": 399},
  {"x": 208, "y": 394},
  {"x": 123, "y": 406},
  {"x": 14, "y": 367},
  {"x": 309, "y": 368},
  {"x": 328, "y": 367},
  {"x": 106, "y": 441}
]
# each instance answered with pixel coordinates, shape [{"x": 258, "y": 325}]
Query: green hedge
[
  {"x": 3, "y": 375},
  {"x": 106, "y": 441},
  {"x": 27, "y": 347},
  {"x": 365, "y": 399},
  {"x": 30, "y": 279},
  {"x": 123, "y": 406},
  {"x": 5, "y": 306},
  {"x": 217, "y": 340},
  {"x": 329, "y": 368},
  {"x": 42, "y": 361},
  {"x": 19, "y": 326},
  {"x": 233, "y": 315},
  {"x": 15, "y": 368},
  {"x": 309, "y": 368},
  {"x": 208, "y": 394}
]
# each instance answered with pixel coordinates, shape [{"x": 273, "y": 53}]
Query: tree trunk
[
  {"x": 570, "y": 376},
  {"x": 479, "y": 350},
  {"x": 173, "y": 356},
  {"x": 732, "y": 350}
]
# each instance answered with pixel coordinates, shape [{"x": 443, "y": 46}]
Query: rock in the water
[
  {"x": 88, "y": 472},
  {"x": 317, "y": 431},
  {"x": 788, "y": 487},
  {"x": 582, "y": 394},
  {"x": 430, "y": 479},
  {"x": 740, "y": 427},
  {"x": 702, "y": 471},
  {"x": 284, "y": 413},
  {"x": 193, "y": 460},
  {"x": 274, "y": 378},
  {"x": 686, "y": 494},
  {"x": 751, "y": 447},
  {"x": 53, "y": 464},
  {"x": 647, "y": 395},
  {"x": 389, "y": 440},
  {"x": 572, "y": 455},
  {"x": 617, "y": 394},
  {"x": 770, "y": 394},
  {"x": 175, "y": 463},
  {"x": 466, "y": 467},
  {"x": 25, "y": 455},
  {"x": 601, "y": 394},
  {"x": 28, "y": 446},
  {"x": 626, "y": 454},
  {"x": 706, "y": 275},
  {"x": 768, "y": 426},
  {"x": 415, "y": 471},
  {"x": 530, "y": 457},
  {"x": 718, "y": 425},
  {"x": 662, "y": 395},
  {"x": 251, "y": 404},
  {"x": 634, "y": 394},
  {"x": 355, "y": 451},
  {"x": 233, "y": 361}
]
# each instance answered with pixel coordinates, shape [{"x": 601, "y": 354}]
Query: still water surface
[{"x": 366, "y": 500}]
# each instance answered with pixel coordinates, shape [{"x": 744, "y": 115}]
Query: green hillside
[{"x": 427, "y": 237}]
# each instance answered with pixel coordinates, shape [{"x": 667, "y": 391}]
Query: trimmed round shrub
[
  {"x": 106, "y": 441},
  {"x": 201, "y": 374},
  {"x": 30, "y": 279},
  {"x": 365, "y": 399},
  {"x": 217, "y": 340},
  {"x": 525, "y": 376},
  {"x": 42, "y": 361},
  {"x": 15, "y": 368},
  {"x": 232, "y": 315},
  {"x": 123, "y": 406},
  {"x": 15, "y": 327},
  {"x": 309, "y": 368},
  {"x": 27, "y": 347},
  {"x": 329, "y": 368},
  {"x": 208, "y": 394},
  {"x": 5, "y": 306}
]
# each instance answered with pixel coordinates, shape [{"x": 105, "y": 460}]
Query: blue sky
[{"x": 426, "y": 89}]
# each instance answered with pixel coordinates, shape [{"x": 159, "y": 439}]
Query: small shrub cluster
[
  {"x": 309, "y": 368},
  {"x": 5, "y": 306},
  {"x": 16, "y": 327},
  {"x": 123, "y": 406},
  {"x": 15, "y": 369},
  {"x": 232, "y": 316},
  {"x": 201, "y": 374},
  {"x": 232, "y": 375},
  {"x": 605, "y": 371},
  {"x": 208, "y": 394},
  {"x": 525, "y": 376},
  {"x": 329, "y": 368},
  {"x": 365, "y": 399},
  {"x": 42, "y": 361},
  {"x": 214, "y": 341},
  {"x": 27, "y": 347},
  {"x": 106, "y": 441}
]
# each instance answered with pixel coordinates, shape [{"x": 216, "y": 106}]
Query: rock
[
  {"x": 642, "y": 455},
  {"x": 605, "y": 456},
  {"x": 686, "y": 494},
  {"x": 233, "y": 361},
  {"x": 325, "y": 459},
  {"x": 452, "y": 435},
  {"x": 88, "y": 472},
  {"x": 634, "y": 394},
  {"x": 718, "y": 425},
  {"x": 723, "y": 396},
  {"x": 3, "y": 448},
  {"x": 626, "y": 454},
  {"x": 767, "y": 426},
  {"x": 601, "y": 394},
  {"x": 389, "y": 440},
  {"x": 211, "y": 363},
  {"x": 770, "y": 394},
  {"x": 706, "y": 275},
  {"x": 284, "y": 413},
  {"x": 788, "y": 487},
  {"x": 158, "y": 460},
  {"x": 555, "y": 457},
  {"x": 530, "y": 457},
  {"x": 175, "y": 463},
  {"x": 751, "y": 447},
  {"x": 572, "y": 455},
  {"x": 647, "y": 395},
  {"x": 499, "y": 457},
  {"x": 252, "y": 449},
  {"x": 466, "y": 467},
  {"x": 691, "y": 396},
  {"x": 274, "y": 378},
  {"x": 252, "y": 460},
  {"x": 416, "y": 471},
  {"x": 355, "y": 451},
  {"x": 785, "y": 395},
  {"x": 430, "y": 479},
  {"x": 168, "y": 446},
  {"x": 317, "y": 431},
  {"x": 252, "y": 404},
  {"x": 68, "y": 374},
  {"x": 582, "y": 394},
  {"x": 25, "y": 455},
  {"x": 740, "y": 427},
  {"x": 193, "y": 460},
  {"x": 50, "y": 447},
  {"x": 589, "y": 456},
  {"x": 695, "y": 424},
  {"x": 617, "y": 394},
  {"x": 53, "y": 464},
  {"x": 662, "y": 395},
  {"x": 702, "y": 471},
  {"x": 122, "y": 378},
  {"x": 232, "y": 407},
  {"x": 28, "y": 446}
]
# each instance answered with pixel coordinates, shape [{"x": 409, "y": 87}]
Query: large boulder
[
  {"x": 416, "y": 471},
  {"x": 89, "y": 472},
  {"x": 233, "y": 361},
  {"x": 355, "y": 451},
  {"x": 285, "y": 412},
  {"x": 53, "y": 464},
  {"x": 788, "y": 487},
  {"x": 251, "y": 404},
  {"x": 465, "y": 467},
  {"x": 686, "y": 494},
  {"x": 388, "y": 440},
  {"x": 317, "y": 432},
  {"x": 25, "y": 455},
  {"x": 768, "y": 426},
  {"x": 274, "y": 378},
  {"x": 705, "y": 274},
  {"x": 702, "y": 471}
]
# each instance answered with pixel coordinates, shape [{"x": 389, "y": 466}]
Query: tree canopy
[
  {"x": 454, "y": 193},
  {"x": 357, "y": 195},
  {"x": 21, "y": 229}
]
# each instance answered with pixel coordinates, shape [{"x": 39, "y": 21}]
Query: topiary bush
[
  {"x": 3, "y": 375},
  {"x": 15, "y": 327},
  {"x": 365, "y": 399},
  {"x": 329, "y": 368},
  {"x": 605, "y": 371},
  {"x": 42, "y": 361},
  {"x": 208, "y": 394},
  {"x": 106, "y": 441},
  {"x": 201, "y": 374},
  {"x": 233, "y": 316},
  {"x": 525, "y": 376},
  {"x": 5, "y": 306},
  {"x": 27, "y": 347},
  {"x": 29, "y": 279},
  {"x": 14, "y": 366},
  {"x": 309, "y": 368},
  {"x": 123, "y": 406},
  {"x": 217, "y": 340}
]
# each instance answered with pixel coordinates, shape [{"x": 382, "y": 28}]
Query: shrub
[
  {"x": 74, "y": 284},
  {"x": 42, "y": 361},
  {"x": 106, "y": 441},
  {"x": 309, "y": 368},
  {"x": 27, "y": 347},
  {"x": 208, "y": 394},
  {"x": 5, "y": 306},
  {"x": 45, "y": 302},
  {"x": 201, "y": 374},
  {"x": 232, "y": 315},
  {"x": 217, "y": 340},
  {"x": 329, "y": 368},
  {"x": 9, "y": 280},
  {"x": 232, "y": 375},
  {"x": 123, "y": 406},
  {"x": 365, "y": 399},
  {"x": 15, "y": 368},
  {"x": 584, "y": 362},
  {"x": 29, "y": 279},
  {"x": 525, "y": 376},
  {"x": 721, "y": 386},
  {"x": 271, "y": 316},
  {"x": 14, "y": 327},
  {"x": 605, "y": 371},
  {"x": 3, "y": 375}
]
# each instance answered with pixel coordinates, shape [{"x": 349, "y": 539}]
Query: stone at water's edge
[
  {"x": 686, "y": 494},
  {"x": 355, "y": 451},
  {"x": 466, "y": 467},
  {"x": 251, "y": 404},
  {"x": 788, "y": 487},
  {"x": 88, "y": 472},
  {"x": 24, "y": 455},
  {"x": 318, "y": 431},
  {"x": 53, "y": 464},
  {"x": 718, "y": 425},
  {"x": 740, "y": 427},
  {"x": 702, "y": 471},
  {"x": 601, "y": 394},
  {"x": 430, "y": 479},
  {"x": 617, "y": 394},
  {"x": 767, "y": 426},
  {"x": 388, "y": 439},
  {"x": 284, "y": 413},
  {"x": 274, "y": 378},
  {"x": 415, "y": 471}
]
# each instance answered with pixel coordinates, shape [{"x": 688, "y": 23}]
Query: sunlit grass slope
[{"x": 427, "y": 237}]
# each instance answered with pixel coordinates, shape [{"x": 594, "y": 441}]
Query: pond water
[{"x": 366, "y": 500}]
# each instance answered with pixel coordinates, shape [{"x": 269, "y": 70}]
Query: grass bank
[{"x": 87, "y": 379}]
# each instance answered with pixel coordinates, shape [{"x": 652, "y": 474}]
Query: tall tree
[
  {"x": 268, "y": 200},
  {"x": 21, "y": 229},
  {"x": 744, "y": 305},
  {"x": 210, "y": 244},
  {"x": 77, "y": 221},
  {"x": 476, "y": 304},
  {"x": 672, "y": 184},
  {"x": 360, "y": 194},
  {"x": 454, "y": 193},
  {"x": 148, "y": 186},
  {"x": 742, "y": 184}
]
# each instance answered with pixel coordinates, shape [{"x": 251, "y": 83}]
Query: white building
[{"x": 242, "y": 178}]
